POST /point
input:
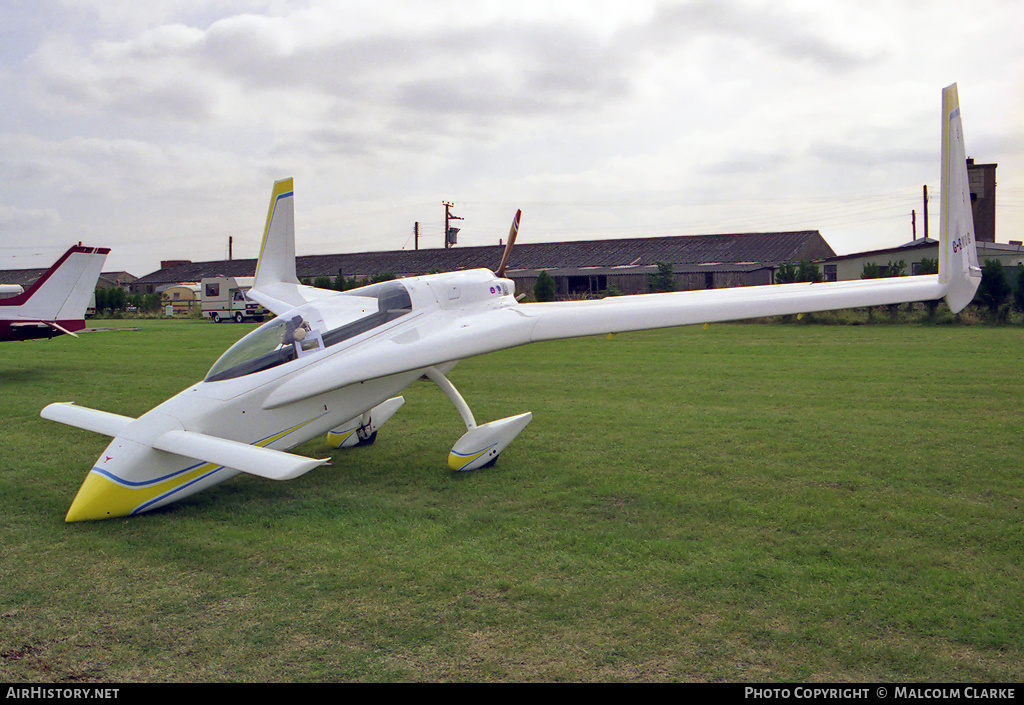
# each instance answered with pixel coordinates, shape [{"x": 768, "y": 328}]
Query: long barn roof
[{"x": 681, "y": 251}]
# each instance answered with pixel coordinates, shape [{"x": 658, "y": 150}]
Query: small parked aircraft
[
  {"x": 56, "y": 302},
  {"x": 334, "y": 362}
]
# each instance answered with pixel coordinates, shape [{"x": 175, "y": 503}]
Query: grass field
[{"x": 739, "y": 503}]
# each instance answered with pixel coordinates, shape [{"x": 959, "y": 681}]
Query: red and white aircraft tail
[{"x": 57, "y": 301}]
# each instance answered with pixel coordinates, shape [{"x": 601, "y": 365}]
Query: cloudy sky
[{"x": 158, "y": 127}]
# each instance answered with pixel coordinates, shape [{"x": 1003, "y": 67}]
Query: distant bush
[
  {"x": 994, "y": 291},
  {"x": 1018, "y": 293},
  {"x": 544, "y": 288},
  {"x": 789, "y": 273},
  {"x": 663, "y": 280}
]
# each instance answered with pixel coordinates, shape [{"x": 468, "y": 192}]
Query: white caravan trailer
[{"x": 224, "y": 299}]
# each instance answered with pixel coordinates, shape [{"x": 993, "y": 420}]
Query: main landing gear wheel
[{"x": 362, "y": 430}]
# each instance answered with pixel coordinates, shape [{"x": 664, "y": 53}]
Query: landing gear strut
[{"x": 480, "y": 445}]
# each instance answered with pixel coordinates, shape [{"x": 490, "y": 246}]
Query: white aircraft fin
[
  {"x": 277, "y": 251},
  {"x": 62, "y": 293},
  {"x": 958, "y": 256},
  {"x": 276, "y": 286}
]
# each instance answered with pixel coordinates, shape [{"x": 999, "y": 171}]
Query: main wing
[{"x": 449, "y": 337}]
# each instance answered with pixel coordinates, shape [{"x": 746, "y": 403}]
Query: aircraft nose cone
[
  {"x": 132, "y": 477},
  {"x": 119, "y": 484},
  {"x": 96, "y": 499}
]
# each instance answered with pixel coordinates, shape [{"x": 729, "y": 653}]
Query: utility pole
[
  {"x": 926, "y": 211},
  {"x": 913, "y": 222},
  {"x": 416, "y": 232},
  {"x": 450, "y": 233}
]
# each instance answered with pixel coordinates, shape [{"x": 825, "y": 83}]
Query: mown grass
[{"x": 737, "y": 503}]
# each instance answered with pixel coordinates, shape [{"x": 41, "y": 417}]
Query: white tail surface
[
  {"x": 276, "y": 286},
  {"x": 63, "y": 292},
  {"x": 958, "y": 256},
  {"x": 277, "y": 253}
]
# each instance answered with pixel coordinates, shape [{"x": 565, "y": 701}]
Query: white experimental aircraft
[{"x": 333, "y": 362}]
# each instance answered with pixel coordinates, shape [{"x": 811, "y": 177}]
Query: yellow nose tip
[{"x": 99, "y": 498}]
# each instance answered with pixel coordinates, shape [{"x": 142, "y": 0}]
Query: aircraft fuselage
[{"x": 239, "y": 400}]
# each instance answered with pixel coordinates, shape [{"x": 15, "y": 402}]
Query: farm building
[
  {"x": 589, "y": 268},
  {"x": 580, "y": 268},
  {"x": 851, "y": 266}
]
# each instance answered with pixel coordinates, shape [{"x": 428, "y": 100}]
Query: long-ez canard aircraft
[
  {"x": 334, "y": 362},
  {"x": 56, "y": 302}
]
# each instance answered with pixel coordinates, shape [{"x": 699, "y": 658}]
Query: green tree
[
  {"x": 151, "y": 303},
  {"x": 929, "y": 266},
  {"x": 786, "y": 273},
  {"x": 544, "y": 288},
  {"x": 896, "y": 269},
  {"x": 663, "y": 279},
  {"x": 994, "y": 289},
  {"x": 116, "y": 299},
  {"x": 1018, "y": 293},
  {"x": 808, "y": 272},
  {"x": 803, "y": 272}
]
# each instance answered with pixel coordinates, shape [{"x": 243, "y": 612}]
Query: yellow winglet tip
[{"x": 458, "y": 462}]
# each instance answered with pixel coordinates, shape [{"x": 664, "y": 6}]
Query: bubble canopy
[{"x": 312, "y": 328}]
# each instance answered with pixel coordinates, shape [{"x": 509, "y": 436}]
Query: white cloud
[{"x": 157, "y": 128}]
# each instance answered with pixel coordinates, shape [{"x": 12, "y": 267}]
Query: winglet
[
  {"x": 277, "y": 253},
  {"x": 959, "y": 272},
  {"x": 276, "y": 286}
]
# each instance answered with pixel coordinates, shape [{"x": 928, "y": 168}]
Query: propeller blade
[{"x": 511, "y": 240}]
